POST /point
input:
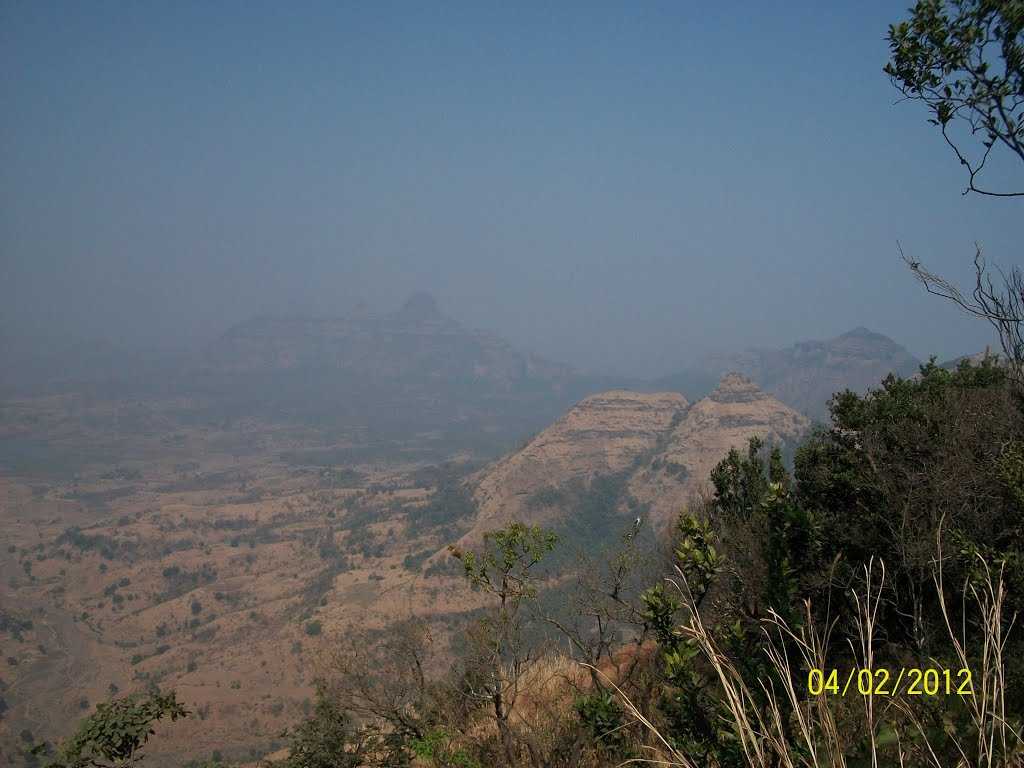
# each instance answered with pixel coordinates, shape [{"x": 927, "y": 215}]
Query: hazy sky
[{"x": 617, "y": 186}]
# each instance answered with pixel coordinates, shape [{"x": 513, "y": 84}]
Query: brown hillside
[
  {"x": 603, "y": 434},
  {"x": 733, "y": 413},
  {"x": 662, "y": 447}
]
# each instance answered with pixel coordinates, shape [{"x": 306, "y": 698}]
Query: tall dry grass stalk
[
  {"x": 997, "y": 743},
  {"x": 812, "y": 735}
]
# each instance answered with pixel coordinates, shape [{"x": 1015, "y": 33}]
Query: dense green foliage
[
  {"x": 325, "y": 739},
  {"x": 116, "y": 732},
  {"x": 912, "y": 461},
  {"x": 913, "y": 466}
]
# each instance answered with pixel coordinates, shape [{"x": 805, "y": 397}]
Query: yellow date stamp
[{"x": 879, "y": 681}]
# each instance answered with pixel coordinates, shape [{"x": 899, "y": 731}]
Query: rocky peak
[
  {"x": 806, "y": 374},
  {"x": 865, "y": 344},
  {"x": 727, "y": 418},
  {"x": 420, "y": 307},
  {"x": 863, "y": 333},
  {"x": 736, "y": 388},
  {"x": 621, "y": 411}
]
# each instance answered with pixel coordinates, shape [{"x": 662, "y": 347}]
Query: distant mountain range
[
  {"x": 398, "y": 374},
  {"x": 416, "y": 370},
  {"x": 415, "y": 344},
  {"x": 807, "y": 374}
]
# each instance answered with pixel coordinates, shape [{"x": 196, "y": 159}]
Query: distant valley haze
[{"x": 417, "y": 368}]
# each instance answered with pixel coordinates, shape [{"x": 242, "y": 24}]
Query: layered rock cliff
[{"x": 658, "y": 448}]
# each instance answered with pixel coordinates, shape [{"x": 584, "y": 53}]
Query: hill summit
[{"x": 421, "y": 307}]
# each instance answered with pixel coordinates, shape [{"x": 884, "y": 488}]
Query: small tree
[
  {"x": 115, "y": 734},
  {"x": 503, "y": 569},
  {"x": 380, "y": 679},
  {"x": 326, "y": 739}
]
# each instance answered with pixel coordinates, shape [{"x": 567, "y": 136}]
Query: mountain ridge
[
  {"x": 658, "y": 447},
  {"x": 807, "y": 373}
]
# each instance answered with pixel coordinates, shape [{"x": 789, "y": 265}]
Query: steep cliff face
[
  {"x": 727, "y": 418},
  {"x": 657, "y": 449},
  {"x": 602, "y": 435}
]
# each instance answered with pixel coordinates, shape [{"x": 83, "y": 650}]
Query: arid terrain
[
  {"x": 212, "y": 562},
  {"x": 207, "y": 563},
  {"x": 165, "y": 535}
]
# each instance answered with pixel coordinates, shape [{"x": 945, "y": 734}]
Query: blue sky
[{"x": 621, "y": 186}]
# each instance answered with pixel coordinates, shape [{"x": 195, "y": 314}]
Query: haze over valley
[{"x": 183, "y": 522}]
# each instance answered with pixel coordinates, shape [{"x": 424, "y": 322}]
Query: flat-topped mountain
[
  {"x": 402, "y": 373},
  {"x": 642, "y": 454},
  {"x": 806, "y": 374},
  {"x": 416, "y": 340}
]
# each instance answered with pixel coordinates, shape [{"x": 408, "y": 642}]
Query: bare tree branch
[{"x": 1002, "y": 305}]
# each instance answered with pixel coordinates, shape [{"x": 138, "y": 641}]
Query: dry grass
[{"x": 813, "y": 735}]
